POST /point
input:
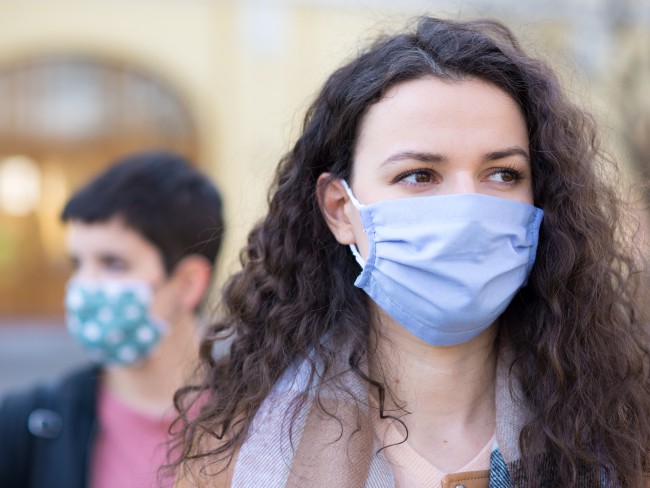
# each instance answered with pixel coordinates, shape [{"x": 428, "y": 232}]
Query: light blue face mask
[
  {"x": 112, "y": 320},
  {"x": 445, "y": 267}
]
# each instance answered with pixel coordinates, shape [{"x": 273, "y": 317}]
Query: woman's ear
[
  {"x": 336, "y": 207},
  {"x": 192, "y": 276}
]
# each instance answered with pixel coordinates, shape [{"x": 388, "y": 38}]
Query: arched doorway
[{"x": 63, "y": 119}]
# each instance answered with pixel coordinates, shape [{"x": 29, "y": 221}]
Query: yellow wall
[{"x": 246, "y": 73}]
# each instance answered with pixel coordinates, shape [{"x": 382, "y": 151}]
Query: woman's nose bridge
[{"x": 463, "y": 182}]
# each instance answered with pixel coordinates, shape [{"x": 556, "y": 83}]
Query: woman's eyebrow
[
  {"x": 425, "y": 157},
  {"x": 507, "y": 152},
  {"x": 429, "y": 157}
]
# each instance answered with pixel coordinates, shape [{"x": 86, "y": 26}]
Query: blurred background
[{"x": 226, "y": 83}]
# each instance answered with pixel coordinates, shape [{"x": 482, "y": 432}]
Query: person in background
[
  {"x": 142, "y": 238},
  {"x": 442, "y": 293}
]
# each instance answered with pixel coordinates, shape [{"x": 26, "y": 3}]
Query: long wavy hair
[{"x": 578, "y": 339}]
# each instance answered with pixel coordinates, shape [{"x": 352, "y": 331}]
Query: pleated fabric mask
[{"x": 445, "y": 267}]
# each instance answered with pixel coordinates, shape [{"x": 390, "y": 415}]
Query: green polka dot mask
[{"x": 112, "y": 320}]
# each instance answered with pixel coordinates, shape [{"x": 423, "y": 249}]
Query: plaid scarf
[
  {"x": 291, "y": 446},
  {"x": 299, "y": 445}
]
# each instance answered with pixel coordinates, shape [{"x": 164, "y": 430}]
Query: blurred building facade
[{"x": 227, "y": 83}]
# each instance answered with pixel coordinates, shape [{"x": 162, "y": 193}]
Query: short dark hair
[{"x": 162, "y": 197}]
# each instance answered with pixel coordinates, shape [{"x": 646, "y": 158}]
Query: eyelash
[
  {"x": 514, "y": 172},
  {"x": 406, "y": 174}
]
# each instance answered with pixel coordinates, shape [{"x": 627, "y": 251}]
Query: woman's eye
[
  {"x": 418, "y": 177},
  {"x": 506, "y": 176}
]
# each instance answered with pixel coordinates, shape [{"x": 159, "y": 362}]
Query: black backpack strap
[
  {"x": 32, "y": 421},
  {"x": 16, "y": 439}
]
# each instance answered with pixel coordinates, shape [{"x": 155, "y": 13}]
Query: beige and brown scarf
[{"x": 319, "y": 450}]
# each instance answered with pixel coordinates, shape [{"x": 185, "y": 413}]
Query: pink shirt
[
  {"x": 129, "y": 447},
  {"x": 410, "y": 469}
]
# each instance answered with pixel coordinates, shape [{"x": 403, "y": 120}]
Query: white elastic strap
[
  {"x": 357, "y": 255},
  {"x": 357, "y": 205}
]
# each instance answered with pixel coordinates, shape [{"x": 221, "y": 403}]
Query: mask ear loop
[
  {"x": 357, "y": 205},
  {"x": 357, "y": 255}
]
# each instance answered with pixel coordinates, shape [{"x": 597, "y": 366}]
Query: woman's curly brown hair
[{"x": 579, "y": 342}]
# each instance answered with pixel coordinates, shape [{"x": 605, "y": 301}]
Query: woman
[{"x": 439, "y": 294}]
